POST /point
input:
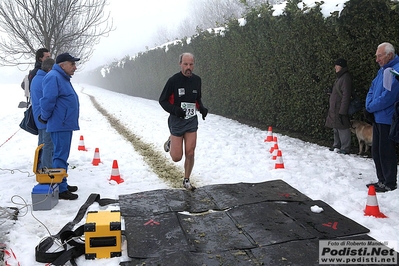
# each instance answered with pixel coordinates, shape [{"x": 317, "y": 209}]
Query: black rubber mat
[
  {"x": 227, "y": 258},
  {"x": 162, "y": 201},
  {"x": 278, "y": 190},
  {"x": 328, "y": 224},
  {"x": 230, "y": 195},
  {"x": 154, "y": 236},
  {"x": 214, "y": 231},
  {"x": 267, "y": 223},
  {"x": 293, "y": 253}
]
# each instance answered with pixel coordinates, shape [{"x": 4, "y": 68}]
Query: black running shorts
[{"x": 178, "y": 126}]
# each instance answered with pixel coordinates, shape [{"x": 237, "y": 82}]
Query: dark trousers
[{"x": 384, "y": 155}]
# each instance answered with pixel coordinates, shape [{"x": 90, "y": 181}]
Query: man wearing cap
[
  {"x": 60, "y": 111},
  {"x": 380, "y": 101},
  {"x": 337, "y": 117}
]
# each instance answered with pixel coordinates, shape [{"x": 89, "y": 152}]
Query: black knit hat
[{"x": 341, "y": 62}]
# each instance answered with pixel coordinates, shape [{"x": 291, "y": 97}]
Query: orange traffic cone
[
  {"x": 115, "y": 173},
  {"x": 96, "y": 159},
  {"x": 275, "y": 151},
  {"x": 273, "y": 143},
  {"x": 269, "y": 137},
  {"x": 279, "y": 161},
  {"x": 372, "y": 208},
  {"x": 81, "y": 146}
]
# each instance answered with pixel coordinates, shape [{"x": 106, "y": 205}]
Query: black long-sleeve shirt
[{"x": 178, "y": 89}]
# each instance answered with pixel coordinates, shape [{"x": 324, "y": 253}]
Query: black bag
[{"x": 28, "y": 122}]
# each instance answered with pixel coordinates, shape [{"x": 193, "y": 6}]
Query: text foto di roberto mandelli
[{"x": 363, "y": 251}]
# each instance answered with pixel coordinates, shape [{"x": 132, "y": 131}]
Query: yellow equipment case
[
  {"x": 103, "y": 236},
  {"x": 47, "y": 176}
]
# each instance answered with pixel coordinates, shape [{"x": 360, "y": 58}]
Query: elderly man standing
[
  {"x": 60, "y": 111},
  {"x": 338, "y": 118},
  {"x": 380, "y": 100}
]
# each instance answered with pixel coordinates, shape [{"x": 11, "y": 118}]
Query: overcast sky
[{"x": 136, "y": 25}]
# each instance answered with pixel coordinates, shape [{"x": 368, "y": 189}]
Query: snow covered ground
[{"x": 227, "y": 152}]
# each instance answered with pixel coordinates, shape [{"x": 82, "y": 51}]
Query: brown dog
[{"x": 364, "y": 134}]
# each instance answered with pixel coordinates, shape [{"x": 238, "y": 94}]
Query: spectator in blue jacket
[
  {"x": 380, "y": 100},
  {"x": 60, "y": 111},
  {"x": 36, "y": 91}
]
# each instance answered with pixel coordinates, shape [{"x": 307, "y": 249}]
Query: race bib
[{"x": 190, "y": 109}]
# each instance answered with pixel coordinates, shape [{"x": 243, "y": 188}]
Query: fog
[{"x": 136, "y": 26}]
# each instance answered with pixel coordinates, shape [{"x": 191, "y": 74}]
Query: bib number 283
[{"x": 190, "y": 109}]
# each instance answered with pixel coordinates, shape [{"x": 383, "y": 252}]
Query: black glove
[
  {"x": 41, "y": 120},
  {"x": 203, "y": 111},
  {"x": 397, "y": 77},
  {"x": 179, "y": 112}
]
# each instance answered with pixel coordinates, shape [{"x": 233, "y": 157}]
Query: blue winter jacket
[
  {"x": 379, "y": 100},
  {"x": 36, "y": 93},
  {"x": 60, "y": 103}
]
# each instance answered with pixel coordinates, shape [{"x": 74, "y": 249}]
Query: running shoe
[
  {"x": 187, "y": 185},
  {"x": 166, "y": 146}
]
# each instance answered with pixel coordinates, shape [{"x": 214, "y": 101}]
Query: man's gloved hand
[
  {"x": 179, "y": 112},
  {"x": 203, "y": 111},
  {"x": 41, "y": 120}
]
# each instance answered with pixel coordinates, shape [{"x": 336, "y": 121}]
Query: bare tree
[
  {"x": 211, "y": 13},
  {"x": 207, "y": 14},
  {"x": 73, "y": 26},
  {"x": 254, "y": 3}
]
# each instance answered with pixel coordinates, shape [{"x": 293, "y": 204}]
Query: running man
[{"x": 181, "y": 98}]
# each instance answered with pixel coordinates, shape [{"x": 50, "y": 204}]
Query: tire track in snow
[{"x": 165, "y": 170}]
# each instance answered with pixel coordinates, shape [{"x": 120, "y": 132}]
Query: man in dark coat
[{"x": 338, "y": 118}]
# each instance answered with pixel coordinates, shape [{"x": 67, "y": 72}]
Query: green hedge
[{"x": 264, "y": 72}]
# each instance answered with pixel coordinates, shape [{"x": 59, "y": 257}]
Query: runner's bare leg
[
  {"x": 176, "y": 148},
  {"x": 190, "y": 142}
]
